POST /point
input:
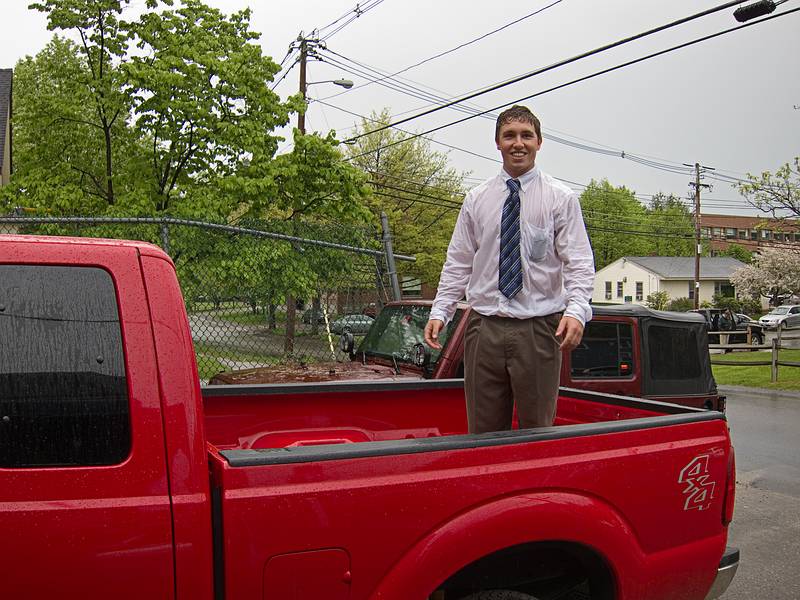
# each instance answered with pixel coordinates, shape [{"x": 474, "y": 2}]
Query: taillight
[{"x": 730, "y": 489}]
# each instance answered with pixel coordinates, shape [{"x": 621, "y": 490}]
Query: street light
[
  {"x": 345, "y": 83},
  {"x": 301, "y": 117}
]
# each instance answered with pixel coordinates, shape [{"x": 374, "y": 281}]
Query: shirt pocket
[{"x": 535, "y": 242}]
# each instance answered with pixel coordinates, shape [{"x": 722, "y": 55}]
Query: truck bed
[
  {"x": 306, "y": 416},
  {"x": 321, "y": 463}
]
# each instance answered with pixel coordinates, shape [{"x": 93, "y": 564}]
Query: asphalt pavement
[{"x": 766, "y": 527}]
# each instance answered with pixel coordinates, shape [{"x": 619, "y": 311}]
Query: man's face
[{"x": 518, "y": 145}]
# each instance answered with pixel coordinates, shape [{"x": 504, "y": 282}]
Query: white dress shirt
[{"x": 557, "y": 260}]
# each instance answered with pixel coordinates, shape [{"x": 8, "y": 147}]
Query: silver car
[
  {"x": 355, "y": 324},
  {"x": 784, "y": 316}
]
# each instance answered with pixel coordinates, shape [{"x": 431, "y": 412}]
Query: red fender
[{"x": 540, "y": 516}]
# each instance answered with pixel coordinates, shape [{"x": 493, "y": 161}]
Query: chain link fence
[{"x": 258, "y": 293}]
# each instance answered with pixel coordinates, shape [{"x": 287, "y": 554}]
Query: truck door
[{"x": 84, "y": 503}]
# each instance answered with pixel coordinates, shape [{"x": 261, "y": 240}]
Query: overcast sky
[{"x": 732, "y": 103}]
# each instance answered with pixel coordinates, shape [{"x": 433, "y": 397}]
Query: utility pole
[
  {"x": 307, "y": 47},
  {"x": 301, "y": 116},
  {"x": 291, "y": 301},
  {"x": 698, "y": 247}
]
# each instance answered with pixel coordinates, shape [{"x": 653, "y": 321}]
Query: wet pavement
[{"x": 766, "y": 528}]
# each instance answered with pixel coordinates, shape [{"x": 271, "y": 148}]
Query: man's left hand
[{"x": 570, "y": 332}]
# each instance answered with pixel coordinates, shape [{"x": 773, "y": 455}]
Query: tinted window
[
  {"x": 605, "y": 351},
  {"x": 673, "y": 353},
  {"x": 63, "y": 393}
]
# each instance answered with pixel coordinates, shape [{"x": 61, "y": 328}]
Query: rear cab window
[
  {"x": 605, "y": 352},
  {"x": 63, "y": 388}
]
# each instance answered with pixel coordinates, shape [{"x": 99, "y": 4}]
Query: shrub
[
  {"x": 680, "y": 304},
  {"x": 657, "y": 300}
]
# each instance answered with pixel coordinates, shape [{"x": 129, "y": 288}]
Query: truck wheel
[
  {"x": 499, "y": 595},
  {"x": 756, "y": 340}
]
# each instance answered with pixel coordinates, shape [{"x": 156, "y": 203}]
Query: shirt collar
[{"x": 525, "y": 179}]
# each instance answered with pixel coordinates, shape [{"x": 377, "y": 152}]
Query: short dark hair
[{"x": 518, "y": 113}]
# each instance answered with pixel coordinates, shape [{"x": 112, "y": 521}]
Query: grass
[
  {"x": 788, "y": 377},
  {"x": 210, "y": 357}
]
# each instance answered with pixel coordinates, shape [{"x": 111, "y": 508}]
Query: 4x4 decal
[{"x": 699, "y": 491}]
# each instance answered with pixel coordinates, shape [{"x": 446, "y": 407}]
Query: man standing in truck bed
[{"x": 521, "y": 254}]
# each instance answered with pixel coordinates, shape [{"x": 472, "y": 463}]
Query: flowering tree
[
  {"x": 772, "y": 274},
  {"x": 777, "y": 193}
]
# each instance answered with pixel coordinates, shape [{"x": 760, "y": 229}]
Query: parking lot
[{"x": 766, "y": 524}]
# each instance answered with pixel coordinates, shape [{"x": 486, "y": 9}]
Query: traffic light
[{"x": 754, "y": 10}]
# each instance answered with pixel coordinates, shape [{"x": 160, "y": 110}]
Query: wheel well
[{"x": 542, "y": 569}]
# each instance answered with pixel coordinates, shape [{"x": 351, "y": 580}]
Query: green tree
[
  {"x": 738, "y": 252},
  {"x": 159, "y": 115},
  {"x": 416, "y": 188},
  {"x": 672, "y": 227},
  {"x": 657, "y": 300},
  {"x": 614, "y": 218},
  {"x": 680, "y": 304},
  {"x": 103, "y": 43},
  {"x": 722, "y": 301},
  {"x": 200, "y": 99},
  {"x": 60, "y": 148},
  {"x": 777, "y": 193}
]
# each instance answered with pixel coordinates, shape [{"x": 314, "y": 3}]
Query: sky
[{"x": 731, "y": 103}]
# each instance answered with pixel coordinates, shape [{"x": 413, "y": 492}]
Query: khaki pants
[{"x": 511, "y": 360}]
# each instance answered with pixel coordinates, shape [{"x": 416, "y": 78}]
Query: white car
[{"x": 784, "y": 316}]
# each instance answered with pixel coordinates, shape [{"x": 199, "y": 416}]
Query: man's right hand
[{"x": 432, "y": 329}]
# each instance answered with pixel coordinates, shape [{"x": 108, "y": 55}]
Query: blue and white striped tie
[{"x": 510, "y": 276}]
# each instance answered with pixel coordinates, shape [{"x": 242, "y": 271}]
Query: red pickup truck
[
  {"x": 628, "y": 350},
  {"x": 120, "y": 478}
]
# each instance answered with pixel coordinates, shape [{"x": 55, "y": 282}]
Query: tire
[{"x": 498, "y": 595}]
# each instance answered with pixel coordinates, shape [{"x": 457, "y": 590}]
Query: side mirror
[{"x": 347, "y": 343}]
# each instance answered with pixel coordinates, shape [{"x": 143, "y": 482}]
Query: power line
[
  {"x": 588, "y": 227},
  {"x": 356, "y": 13},
  {"x": 285, "y": 73},
  {"x": 567, "y": 61},
  {"x": 669, "y": 168},
  {"x": 405, "y": 191},
  {"x": 416, "y": 92},
  {"x": 459, "y": 149},
  {"x": 584, "y": 78},
  {"x": 713, "y": 202},
  {"x": 451, "y": 50},
  {"x": 438, "y": 204}
]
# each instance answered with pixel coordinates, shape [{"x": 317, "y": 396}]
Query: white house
[{"x": 633, "y": 278}]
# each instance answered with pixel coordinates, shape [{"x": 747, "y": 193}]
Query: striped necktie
[{"x": 510, "y": 276}]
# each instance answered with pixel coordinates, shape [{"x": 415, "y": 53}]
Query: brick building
[{"x": 751, "y": 233}]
